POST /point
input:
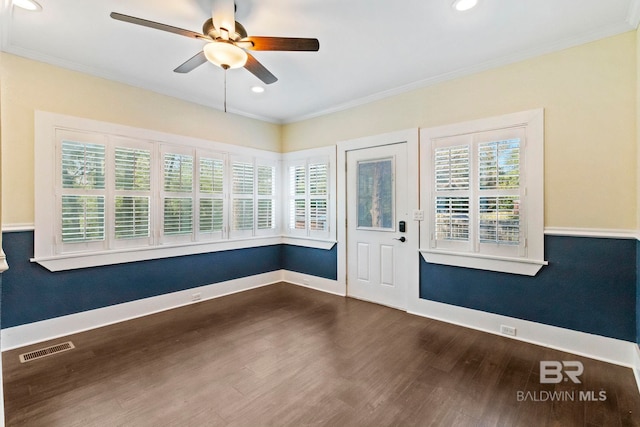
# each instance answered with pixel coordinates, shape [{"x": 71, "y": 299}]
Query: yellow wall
[
  {"x": 589, "y": 96},
  {"x": 28, "y": 85},
  {"x": 638, "y": 143}
]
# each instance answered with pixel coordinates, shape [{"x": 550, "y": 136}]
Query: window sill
[
  {"x": 522, "y": 266},
  {"x": 309, "y": 242},
  {"x": 73, "y": 261}
]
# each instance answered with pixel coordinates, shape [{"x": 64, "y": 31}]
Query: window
[
  {"x": 309, "y": 197},
  {"x": 375, "y": 194},
  {"x": 266, "y": 198},
  {"x": 108, "y": 194},
  {"x": 242, "y": 200},
  {"x": 483, "y": 191},
  {"x": 318, "y": 197},
  {"x": 132, "y": 193},
  {"x": 211, "y": 212},
  {"x": 82, "y": 203},
  {"x": 253, "y": 197},
  {"x": 177, "y": 194},
  {"x": 298, "y": 197}
]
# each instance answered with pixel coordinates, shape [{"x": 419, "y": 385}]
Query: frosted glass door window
[{"x": 375, "y": 194}]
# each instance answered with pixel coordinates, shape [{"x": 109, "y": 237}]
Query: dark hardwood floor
[{"x": 289, "y": 356}]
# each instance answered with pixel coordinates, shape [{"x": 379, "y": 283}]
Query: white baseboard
[
  {"x": 314, "y": 282},
  {"x": 45, "y": 330},
  {"x": 636, "y": 367},
  {"x": 597, "y": 347}
]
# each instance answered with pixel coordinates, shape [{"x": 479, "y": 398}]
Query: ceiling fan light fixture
[
  {"x": 462, "y": 5},
  {"x": 257, "y": 89},
  {"x": 225, "y": 55},
  {"x": 30, "y": 5}
]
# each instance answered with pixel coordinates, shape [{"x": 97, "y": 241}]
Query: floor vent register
[{"x": 48, "y": 351}]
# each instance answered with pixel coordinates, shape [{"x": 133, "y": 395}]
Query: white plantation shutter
[
  {"x": 82, "y": 218},
  {"x": 178, "y": 196},
  {"x": 297, "y": 197},
  {"x": 242, "y": 179},
  {"x": 318, "y": 197},
  {"x": 452, "y": 218},
  {"x": 318, "y": 215},
  {"x": 451, "y": 169},
  {"x": 242, "y": 215},
  {"x": 499, "y": 192},
  {"x": 133, "y": 169},
  {"x": 132, "y": 217},
  {"x": 477, "y": 193},
  {"x": 242, "y": 197},
  {"x": 266, "y": 214},
  {"x": 211, "y": 215},
  {"x": 308, "y": 197},
  {"x": 132, "y": 195},
  {"x": 178, "y": 215},
  {"x": 178, "y": 173},
  {"x": 266, "y": 197},
  {"x": 83, "y": 193},
  {"x": 499, "y": 220},
  {"x": 499, "y": 165},
  {"x": 83, "y": 165},
  {"x": 211, "y": 196}
]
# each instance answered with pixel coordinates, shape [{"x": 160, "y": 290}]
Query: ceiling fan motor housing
[{"x": 209, "y": 29}]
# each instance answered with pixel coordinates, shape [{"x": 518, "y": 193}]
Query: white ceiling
[{"x": 368, "y": 48}]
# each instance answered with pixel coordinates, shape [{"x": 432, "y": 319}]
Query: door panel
[
  {"x": 363, "y": 262},
  {"x": 386, "y": 265},
  {"x": 377, "y": 259}
]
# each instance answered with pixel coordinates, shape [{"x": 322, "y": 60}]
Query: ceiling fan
[{"x": 228, "y": 42}]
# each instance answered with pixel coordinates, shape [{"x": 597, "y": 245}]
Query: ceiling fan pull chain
[{"x": 225, "y": 87}]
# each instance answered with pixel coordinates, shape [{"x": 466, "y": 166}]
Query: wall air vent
[{"x": 48, "y": 351}]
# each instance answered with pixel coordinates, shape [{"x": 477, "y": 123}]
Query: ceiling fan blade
[
  {"x": 157, "y": 26},
  {"x": 190, "y": 64},
  {"x": 283, "y": 43},
  {"x": 259, "y": 70}
]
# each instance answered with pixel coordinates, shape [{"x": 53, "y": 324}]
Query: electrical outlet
[
  {"x": 196, "y": 297},
  {"x": 508, "y": 330}
]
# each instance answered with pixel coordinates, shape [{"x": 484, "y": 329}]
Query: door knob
[{"x": 402, "y": 239}]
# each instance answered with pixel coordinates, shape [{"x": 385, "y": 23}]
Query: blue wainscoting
[
  {"x": 638, "y": 292},
  {"x": 32, "y": 293},
  {"x": 589, "y": 286},
  {"x": 315, "y": 262}
]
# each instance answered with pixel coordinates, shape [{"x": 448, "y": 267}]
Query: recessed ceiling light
[
  {"x": 257, "y": 89},
  {"x": 462, "y": 5},
  {"x": 31, "y": 5}
]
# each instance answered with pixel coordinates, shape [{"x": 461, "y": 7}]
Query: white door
[{"x": 379, "y": 230}]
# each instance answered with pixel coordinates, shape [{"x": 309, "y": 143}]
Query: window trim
[
  {"x": 46, "y": 192},
  {"x": 528, "y": 263}
]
